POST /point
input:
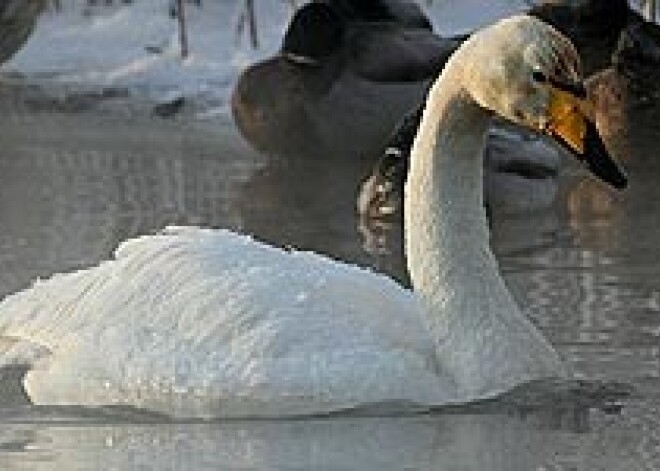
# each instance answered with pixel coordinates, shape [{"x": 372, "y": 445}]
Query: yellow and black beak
[{"x": 571, "y": 123}]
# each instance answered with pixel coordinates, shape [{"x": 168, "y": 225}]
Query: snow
[{"x": 136, "y": 47}]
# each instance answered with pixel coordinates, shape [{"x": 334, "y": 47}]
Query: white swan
[{"x": 206, "y": 323}]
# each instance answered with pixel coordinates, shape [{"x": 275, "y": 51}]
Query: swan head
[{"x": 529, "y": 73}]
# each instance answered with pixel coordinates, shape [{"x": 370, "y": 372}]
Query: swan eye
[{"x": 539, "y": 76}]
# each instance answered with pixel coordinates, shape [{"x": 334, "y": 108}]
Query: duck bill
[{"x": 572, "y": 125}]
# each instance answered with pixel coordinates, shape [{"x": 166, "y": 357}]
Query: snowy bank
[{"x": 133, "y": 51}]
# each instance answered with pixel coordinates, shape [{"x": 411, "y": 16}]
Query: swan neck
[
  {"x": 478, "y": 330},
  {"x": 447, "y": 236}
]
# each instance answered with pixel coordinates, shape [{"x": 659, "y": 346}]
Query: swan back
[{"x": 205, "y": 323}]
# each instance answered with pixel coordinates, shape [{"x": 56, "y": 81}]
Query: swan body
[
  {"x": 207, "y": 323},
  {"x": 197, "y": 322}
]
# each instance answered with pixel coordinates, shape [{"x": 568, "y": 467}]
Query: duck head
[
  {"x": 538, "y": 84},
  {"x": 317, "y": 28},
  {"x": 315, "y": 32}
]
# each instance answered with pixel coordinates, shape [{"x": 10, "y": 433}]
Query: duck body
[{"x": 310, "y": 114}]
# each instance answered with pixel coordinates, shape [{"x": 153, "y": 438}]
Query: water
[{"x": 73, "y": 185}]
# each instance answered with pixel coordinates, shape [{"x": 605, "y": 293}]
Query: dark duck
[{"x": 346, "y": 73}]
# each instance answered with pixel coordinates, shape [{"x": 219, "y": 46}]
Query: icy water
[{"x": 73, "y": 186}]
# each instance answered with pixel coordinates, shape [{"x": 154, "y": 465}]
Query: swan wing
[{"x": 197, "y": 322}]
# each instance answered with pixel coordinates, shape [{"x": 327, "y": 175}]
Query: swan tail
[{"x": 18, "y": 352}]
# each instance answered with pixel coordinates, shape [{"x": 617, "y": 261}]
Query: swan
[{"x": 207, "y": 323}]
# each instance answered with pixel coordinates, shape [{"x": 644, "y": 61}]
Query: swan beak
[{"x": 571, "y": 123}]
